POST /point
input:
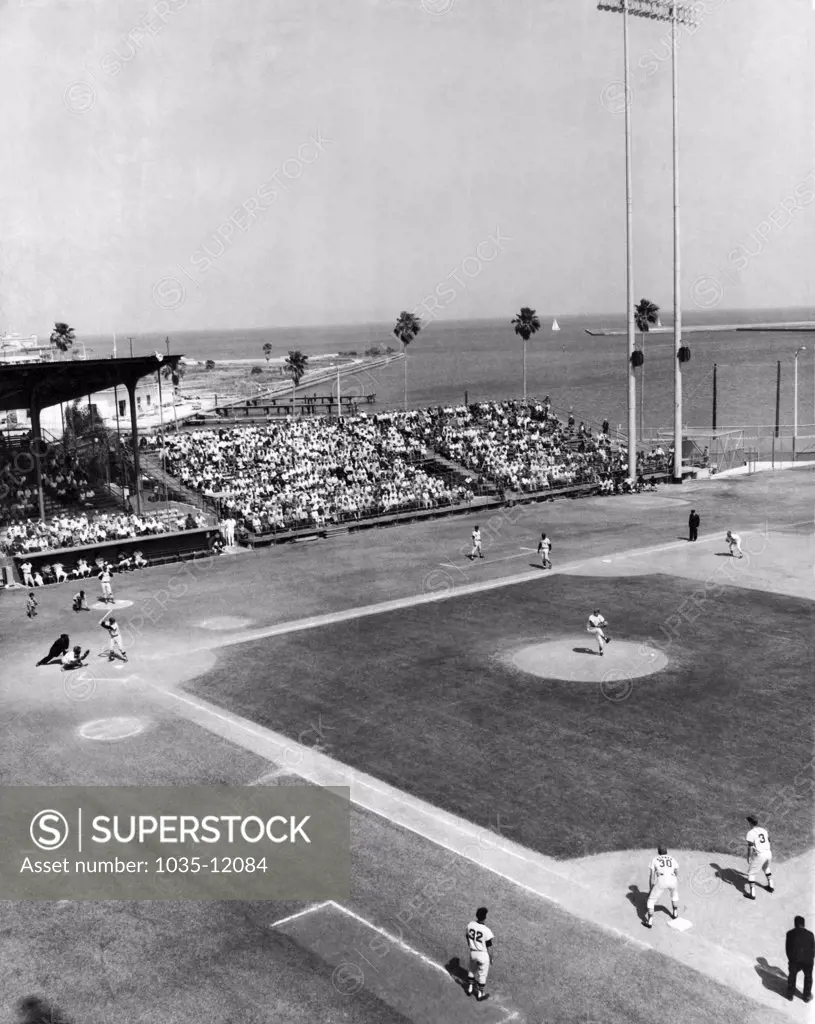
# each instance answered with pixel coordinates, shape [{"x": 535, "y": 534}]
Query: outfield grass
[{"x": 423, "y": 700}]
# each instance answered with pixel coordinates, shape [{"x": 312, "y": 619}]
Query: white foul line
[
  {"x": 300, "y": 913},
  {"x": 386, "y": 934},
  {"x": 273, "y": 774},
  {"x": 368, "y": 924}
]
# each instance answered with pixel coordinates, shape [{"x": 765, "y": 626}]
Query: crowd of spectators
[
  {"x": 308, "y": 472},
  {"x": 62, "y": 478},
  {"x": 87, "y": 530},
  {"x": 526, "y": 448}
]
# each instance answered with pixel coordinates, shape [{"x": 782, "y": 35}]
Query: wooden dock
[{"x": 274, "y": 408}]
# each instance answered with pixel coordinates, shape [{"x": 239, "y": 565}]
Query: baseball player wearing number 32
[{"x": 481, "y": 944}]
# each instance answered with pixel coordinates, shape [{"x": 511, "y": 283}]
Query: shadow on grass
[
  {"x": 33, "y": 1010},
  {"x": 457, "y": 971},
  {"x": 772, "y": 978},
  {"x": 584, "y": 650},
  {"x": 730, "y": 877}
]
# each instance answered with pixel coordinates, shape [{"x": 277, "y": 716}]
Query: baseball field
[{"x": 493, "y": 758}]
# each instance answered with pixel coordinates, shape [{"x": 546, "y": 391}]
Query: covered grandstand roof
[{"x": 55, "y": 382}]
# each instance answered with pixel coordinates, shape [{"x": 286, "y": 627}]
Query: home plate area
[{"x": 361, "y": 955}]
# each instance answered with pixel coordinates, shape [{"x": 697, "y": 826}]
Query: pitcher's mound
[{"x": 576, "y": 658}]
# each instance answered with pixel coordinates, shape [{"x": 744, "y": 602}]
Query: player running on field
[
  {"x": 481, "y": 944},
  {"x": 476, "y": 544},
  {"x": 759, "y": 857},
  {"x": 544, "y": 550},
  {"x": 734, "y": 543},
  {"x": 115, "y": 637},
  {"x": 663, "y": 875},
  {"x": 596, "y": 625}
]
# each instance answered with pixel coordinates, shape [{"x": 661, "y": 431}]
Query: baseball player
[
  {"x": 26, "y": 569},
  {"x": 544, "y": 550},
  {"x": 596, "y": 625},
  {"x": 481, "y": 944},
  {"x": 759, "y": 855},
  {"x": 111, "y": 625},
  {"x": 31, "y": 605},
  {"x": 734, "y": 543},
  {"x": 79, "y": 604},
  {"x": 104, "y": 579},
  {"x": 476, "y": 544},
  {"x": 74, "y": 659},
  {"x": 663, "y": 874}
]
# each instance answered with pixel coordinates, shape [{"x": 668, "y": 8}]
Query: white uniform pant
[
  {"x": 479, "y": 966},
  {"x": 759, "y": 862},
  {"x": 598, "y": 632},
  {"x": 660, "y": 887}
]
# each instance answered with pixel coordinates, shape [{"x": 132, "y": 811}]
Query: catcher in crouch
[{"x": 596, "y": 625}]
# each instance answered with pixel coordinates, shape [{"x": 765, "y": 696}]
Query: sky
[{"x": 202, "y": 164}]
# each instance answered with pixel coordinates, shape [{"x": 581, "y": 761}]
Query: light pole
[
  {"x": 798, "y": 351},
  {"x": 677, "y": 14},
  {"x": 624, "y": 7}
]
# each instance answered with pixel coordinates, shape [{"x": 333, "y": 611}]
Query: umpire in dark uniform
[
  {"x": 801, "y": 955},
  {"x": 693, "y": 525}
]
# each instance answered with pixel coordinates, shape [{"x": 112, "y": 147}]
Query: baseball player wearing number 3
[
  {"x": 480, "y": 942},
  {"x": 759, "y": 855}
]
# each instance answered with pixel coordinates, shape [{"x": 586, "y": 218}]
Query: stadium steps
[
  {"x": 438, "y": 465},
  {"x": 152, "y": 464}
]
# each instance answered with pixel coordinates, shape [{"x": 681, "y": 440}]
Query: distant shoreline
[{"x": 800, "y": 325}]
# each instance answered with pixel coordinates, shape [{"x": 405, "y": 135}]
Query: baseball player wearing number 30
[{"x": 480, "y": 942}]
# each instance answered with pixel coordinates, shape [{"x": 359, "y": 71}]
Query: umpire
[
  {"x": 693, "y": 525},
  {"x": 800, "y": 954}
]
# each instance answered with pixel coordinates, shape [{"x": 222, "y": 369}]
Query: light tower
[{"x": 677, "y": 13}]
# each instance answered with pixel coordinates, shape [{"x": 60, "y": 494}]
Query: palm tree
[
  {"x": 175, "y": 375},
  {"x": 407, "y": 327},
  {"x": 62, "y": 337},
  {"x": 296, "y": 365},
  {"x": 267, "y": 350},
  {"x": 526, "y": 323},
  {"x": 646, "y": 314}
]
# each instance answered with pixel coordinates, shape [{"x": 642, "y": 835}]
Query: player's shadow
[
  {"x": 584, "y": 650},
  {"x": 730, "y": 877},
  {"x": 638, "y": 901},
  {"x": 457, "y": 971},
  {"x": 772, "y": 978}
]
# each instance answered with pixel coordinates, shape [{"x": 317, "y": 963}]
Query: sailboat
[
  {"x": 555, "y": 325},
  {"x": 659, "y": 322}
]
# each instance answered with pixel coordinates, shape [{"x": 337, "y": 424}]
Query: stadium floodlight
[
  {"x": 677, "y": 13},
  {"x": 798, "y": 351}
]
